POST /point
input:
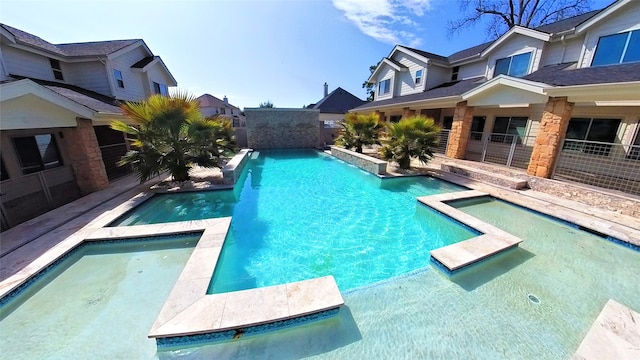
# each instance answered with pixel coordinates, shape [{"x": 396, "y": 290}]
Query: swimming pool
[
  {"x": 100, "y": 301},
  {"x": 483, "y": 312},
  {"x": 302, "y": 214}
]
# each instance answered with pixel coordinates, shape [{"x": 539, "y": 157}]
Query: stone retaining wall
[
  {"x": 231, "y": 172},
  {"x": 282, "y": 128},
  {"x": 364, "y": 162}
]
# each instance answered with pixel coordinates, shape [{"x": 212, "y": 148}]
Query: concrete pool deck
[{"x": 23, "y": 262}]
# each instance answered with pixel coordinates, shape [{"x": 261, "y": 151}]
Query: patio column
[
  {"x": 460, "y": 131},
  {"x": 406, "y": 112},
  {"x": 553, "y": 128},
  {"x": 86, "y": 158},
  {"x": 381, "y": 116}
]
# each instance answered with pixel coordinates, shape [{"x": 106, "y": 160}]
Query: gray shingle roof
[
  {"x": 339, "y": 101},
  {"x": 463, "y": 54},
  {"x": 444, "y": 90},
  {"x": 95, "y": 48},
  {"x": 90, "y": 99},
  {"x": 567, "y": 75},
  {"x": 426, "y": 54}
]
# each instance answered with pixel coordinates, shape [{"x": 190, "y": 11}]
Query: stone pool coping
[{"x": 491, "y": 242}]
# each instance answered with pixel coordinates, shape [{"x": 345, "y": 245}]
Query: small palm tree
[
  {"x": 412, "y": 137},
  {"x": 170, "y": 134},
  {"x": 359, "y": 130}
]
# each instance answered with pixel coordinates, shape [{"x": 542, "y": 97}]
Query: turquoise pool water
[
  {"x": 100, "y": 302},
  {"x": 300, "y": 214},
  {"x": 482, "y": 312}
]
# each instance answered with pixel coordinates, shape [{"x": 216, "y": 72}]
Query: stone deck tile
[{"x": 614, "y": 335}]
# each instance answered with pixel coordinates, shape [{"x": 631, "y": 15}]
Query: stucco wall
[{"x": 282, "y": 128}]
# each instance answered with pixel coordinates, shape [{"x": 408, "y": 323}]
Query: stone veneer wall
[
  {"x": 86, "y": 157},
  {"x": 231, "y": 172},
  {"x": 282, "y": 128},
  {"x": 364, "y": 162}
]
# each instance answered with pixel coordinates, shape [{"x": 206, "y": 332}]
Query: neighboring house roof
[
  {"x": 339, "y": 101},
  {"x": 568, "y": 75},
  {"x": 87, "y": 98},
  {"x": 454, "y": 88},
  {"x": 95, "y": 48},
  {"x": 210, "y": 100}
]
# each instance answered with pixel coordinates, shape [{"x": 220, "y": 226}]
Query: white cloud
[{"x": 389, "y": 21}]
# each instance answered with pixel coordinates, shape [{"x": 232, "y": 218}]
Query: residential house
[
  {"x": 333, "y": 106},
  {"x": 56, "y": 104},
  {"x": 212, "y": 106},
  {"x": 560, "y": 101}
]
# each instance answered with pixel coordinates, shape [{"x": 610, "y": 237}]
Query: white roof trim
[
  {"x": 601, "y": 15},
  {"x": 504, "y": 80},
  {"x": 441, "y": 100},
  {"x": 128, "y": 48},
  {"x": 387, "y": 62},
  {"x": 415, "y": 55},
  {"x": 7, "y": 34},
  {"x": 23, "y": 87},
  {"x": 516, "y": 30}
]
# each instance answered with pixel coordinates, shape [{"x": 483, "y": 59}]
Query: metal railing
[
  {"x": 443, "y": 142},
  {"x": 606, "y": 165},
  {"x": 508, "y": 149}
]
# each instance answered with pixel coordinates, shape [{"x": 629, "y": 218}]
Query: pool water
[
  {"x": 483, "y": 312},
  {"x": 100, "y": 302},
  {"x": 302, "y": 214}
]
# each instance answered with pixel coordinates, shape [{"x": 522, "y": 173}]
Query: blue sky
[{"x": 254, "y": 51}]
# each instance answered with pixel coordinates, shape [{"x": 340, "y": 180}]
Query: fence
[
  {"x": 607, "y": 165},
  {"x": 443, "y": 142},
  {"x": 508, "y": 149}
]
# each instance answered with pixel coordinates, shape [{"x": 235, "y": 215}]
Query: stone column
[
  {"x": 553, "y": 127},
  {"x": 381, "y": 116},
  {"x": 460, "y": 131},
  {"x": 406, "y": 112},
  {"x": 86, "y": 158}
]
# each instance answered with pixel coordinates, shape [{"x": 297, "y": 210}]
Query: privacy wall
[{"x": 282, "y": 128}]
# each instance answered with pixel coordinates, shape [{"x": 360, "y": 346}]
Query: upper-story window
[
  {"x": 617, "y": 48},
  {"x": 454, "y": 73},
  {"x": 57, "y": 70},
  {"x": 160, "y": 89},
  {"x": 37, "y": 153},
  {"x": 517, "y": 65},
  {"x": 384, "y": 86},
  {"x": 418, "y": 77},
  {"x": 119, "y": 80}
]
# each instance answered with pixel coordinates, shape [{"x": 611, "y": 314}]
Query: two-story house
[
  {"x": 212, "y": 106},
  {"x": 561, "y": 100},
  {"x": 56, "y": 104}
]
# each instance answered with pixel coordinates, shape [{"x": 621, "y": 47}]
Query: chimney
[
  {"x": 226, "y": 101},
  {"x": 326, "y": 89}
]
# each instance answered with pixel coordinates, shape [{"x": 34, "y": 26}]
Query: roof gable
[
  {"x": 206, "y": 100},
  {"x": 339, "y": 101},
  {"x": 602, "y": 14}
]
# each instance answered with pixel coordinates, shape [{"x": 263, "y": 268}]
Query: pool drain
[{"x": 534, "y": 299}]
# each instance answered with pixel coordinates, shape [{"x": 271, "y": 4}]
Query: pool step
[
  {"x": 483, "y": 175},
  {"x": 491, "y": 241},
  {"x": 614, "y": 335}
]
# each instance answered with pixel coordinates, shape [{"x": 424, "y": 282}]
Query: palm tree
[
  {"x": 170, "y": 134},
  {"x": 412, "y": 137},
  {"x": 359, "y": 130}
]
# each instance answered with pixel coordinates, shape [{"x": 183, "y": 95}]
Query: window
[
  {"x": 447, "y": 122},
  {"x": 160, "y": 89},
  {"x": 597, "y": 130},
  {"x": 418, "y": 77},
  {"x": 37, "y": 153},
  {"x": 57, "y": 70},
  {"x": 617, "y": 48},
  {"x": 517, "y": 65},
  {"x": 477, "y": 127},
  {"x": 223, "y": 111},
  {"x": 4, "y": 175},
  {"x": 511, "y": 126},
  {"x": 119, "y": 80},
  {"x": 454, "y": 73},
  {"x": 384, "y": 87},
  {"x": 395, "y": 118}
]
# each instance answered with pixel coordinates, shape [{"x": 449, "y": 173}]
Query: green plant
[
  {"x": 170, "y": 134},
  {"x": 412, "y": 137},
  {"x": 359, "y": 130}
]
